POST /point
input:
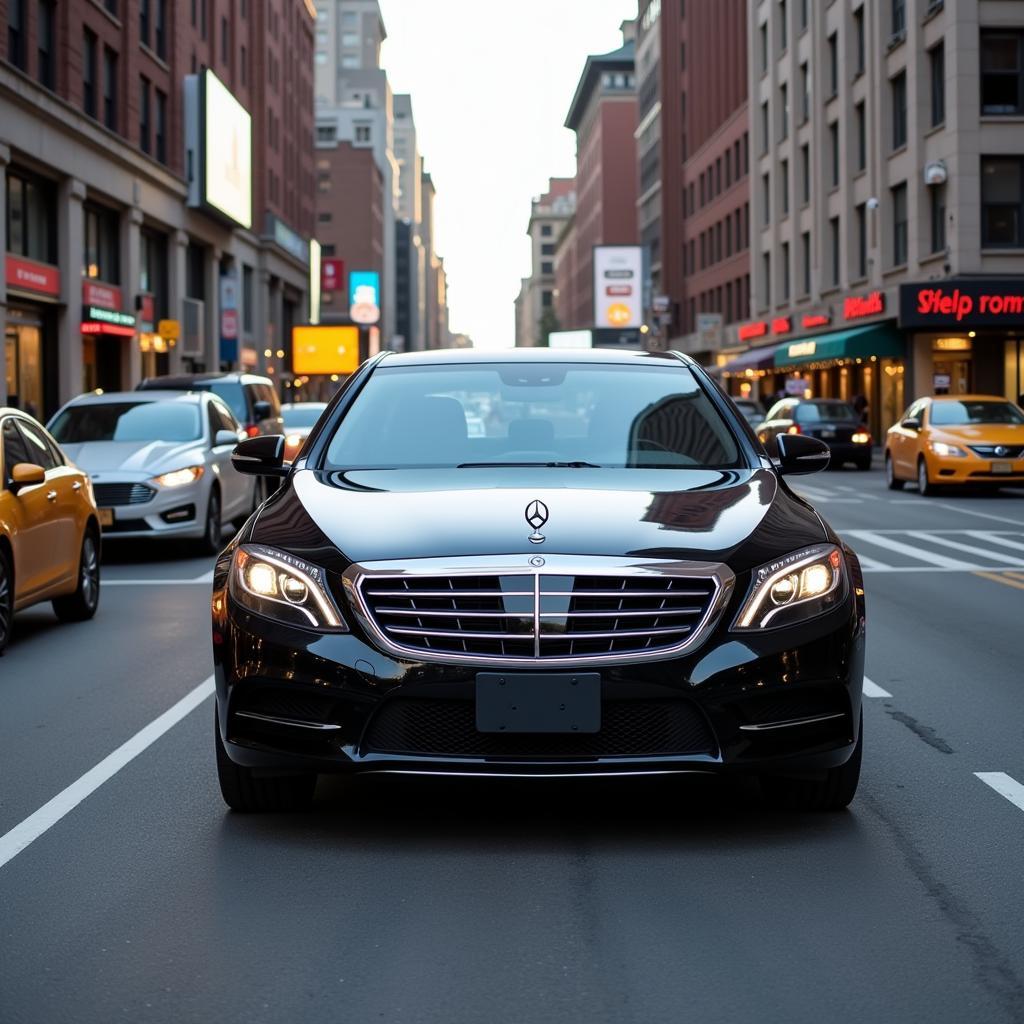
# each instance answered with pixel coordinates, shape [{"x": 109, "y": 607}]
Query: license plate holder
[
  {"x": 1002, "y": 468},
  {"x": 541, "y": 702},
  {"x": 828, "y": 434},
  {"x": 106, "y": 516}
]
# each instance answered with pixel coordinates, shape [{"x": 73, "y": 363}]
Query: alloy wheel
[
  {"x": 90, "y": 572},
  {"x": 6, "y": 602}
]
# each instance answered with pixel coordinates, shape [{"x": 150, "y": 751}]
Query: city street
[{"x": 139, "y": 897}]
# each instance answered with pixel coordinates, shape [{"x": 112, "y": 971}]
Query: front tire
[
  {"x": 82, "y": 604},
  {"x": 243, "y": 791},
  {"x": 890, "y": 475},
  {"x": 6, "y": 599},
  {"x": 924, "y": 486},
  {"x": 834, "y": 792},
  {"x": 210, "y": 544}
]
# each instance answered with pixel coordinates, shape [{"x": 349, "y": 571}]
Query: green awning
[{"x": 882, "y": 340}]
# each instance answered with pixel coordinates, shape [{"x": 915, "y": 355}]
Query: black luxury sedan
[
  {"x": 830, "y": 420},
  {"x": 611, "y": 576}
]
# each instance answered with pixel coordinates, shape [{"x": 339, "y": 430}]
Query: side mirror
[
  {"x": 223, "y": 437},
  {"x": 25, "y": 474},
  {"x": 261, "y": 411},
  {"x": 911, "y": 423},
  {"x": 800, "y": 454},
  {"x": 260, "y": 456}
]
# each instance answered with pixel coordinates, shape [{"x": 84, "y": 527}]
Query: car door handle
[
  {"x": 76, "y": 486},
  {"x": 51, "y": 495}
]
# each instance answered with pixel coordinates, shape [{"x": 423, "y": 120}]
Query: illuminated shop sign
[
  {"x": 782, "y": 325},
  {"x": 757, "y": 329},
  {"x": 815, "y": 320},
  {"x": 29, "y": 276},
  {"x": 618, "y": 286},
  {"x": 110, "y": 316},
  {"x": 857, "y": 306},
  {"x": 802, "y": 348},
  {"x": 991, "y": 303}
]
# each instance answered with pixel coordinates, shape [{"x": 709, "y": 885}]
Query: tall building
[
  {"x": 887, "y": 233},
  {"x": 107, "y": 230},
  {"x": 535, "y": 306},
  {"x": 603, "y": 114},
  {"x": 411, "y": 255}
]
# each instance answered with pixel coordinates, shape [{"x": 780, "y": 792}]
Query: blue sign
[{"x": 364, "y": 296}]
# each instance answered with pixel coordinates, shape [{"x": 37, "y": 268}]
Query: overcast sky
[{"x": 491, "y": 86}]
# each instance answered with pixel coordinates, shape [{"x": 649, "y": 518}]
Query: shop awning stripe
[
  {"x": 882, "y": 340},
  {"x": 762, "y": 358}
]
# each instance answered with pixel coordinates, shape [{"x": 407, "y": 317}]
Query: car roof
[
  {"x": 471, "y": 356},
  {"x": 186, "y": 397},
  {"x": 968, "y": 398},
  {"x": 183, "y": 381}
]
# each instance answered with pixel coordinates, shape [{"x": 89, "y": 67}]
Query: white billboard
[
  {"x": 227, "y": 167},
  {"x": 571, "y": 339},
  {"x": 618, "y": 286}
]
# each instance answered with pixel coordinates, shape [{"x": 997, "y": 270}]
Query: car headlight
[
  {"x": 283, "y": 587},
  {"x": 946, "y": 450},
  {"x": 861, "y": 438},
  {"x": 179, "y": 477},
  {"x": 799, "y": 586}
]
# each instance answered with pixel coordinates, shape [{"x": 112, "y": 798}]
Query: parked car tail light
[
  {"x": 251, "y": 430},
  {"x": 794, "y": 430}
]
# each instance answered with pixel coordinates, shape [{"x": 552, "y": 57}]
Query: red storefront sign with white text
[
  {"x": 757, "y": 329},
  {"x": 29, "y": 276},
  {"x": 106, "y": 296}
]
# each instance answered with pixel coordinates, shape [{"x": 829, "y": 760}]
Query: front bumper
[
  {"x": 972, "y": 469},
  {"x": 786, "y": 700},
  {"x": 171, "y": 512}
]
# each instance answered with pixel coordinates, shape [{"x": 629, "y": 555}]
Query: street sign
[{"x": 169, "y": 330}]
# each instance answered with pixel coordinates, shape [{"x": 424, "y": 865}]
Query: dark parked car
[
  {"x": 830, "y": 420},
  {"x": 613, "y": 577},
  {"x": 751, "y": 411}
]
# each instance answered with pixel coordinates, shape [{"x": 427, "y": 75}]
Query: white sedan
[{"x": 160, "y": 463}]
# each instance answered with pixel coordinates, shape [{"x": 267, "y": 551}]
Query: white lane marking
[
  {"x": 207, "y": 577},
  {"x": 981, "y": 515},
  {"x": 995, "y": 538},
  {"x": 832, "y": 501},
  {"x": 815, "y": 493},
  {"x": 943, "y": 561},
  {"x": 39, "y": 822},
  {"x": 993, "y": 556},
  {"x": 153, "y": 583},
  {"x": 1004, "y": 785},
  {"x": 874, "y": 690},
  {"x": 870, "y": 563},
  {"x": 939, "y": 568}
]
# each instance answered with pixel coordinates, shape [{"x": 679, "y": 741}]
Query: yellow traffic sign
[{"x": 169, "y": 330}]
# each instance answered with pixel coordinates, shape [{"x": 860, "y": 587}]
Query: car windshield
[
  {"x": 814, "y": 412},
  {"x": 303, "y": 415},
  {"x": 127, "y": 421},
  {"x": 958, "y": 414},
  {"x": 544, "y": 414}
]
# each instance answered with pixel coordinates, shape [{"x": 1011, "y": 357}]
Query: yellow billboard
[{"x": 325, "y": 349}]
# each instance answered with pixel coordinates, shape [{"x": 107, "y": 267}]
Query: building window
[
  {"x": 703, "y": 250},
  {"x": 1002, "y": 202},
  {"x": 248, "y": 277},
  {"x": 784, "y": 185},
  {"x": 861, "y": 128},
  {"x": 783, "y": 111},
  {"x": 160, "y": 138},
  {"x": 101, "y": 258},
  {"x": 326, "y": 133},
  {"x": 805, "y": 173},
  {"x": 763, "y": 35},
  {"x": 16, "y": 33},
  {"x": 861, "y": 213},
  {"x": 803, "y": 14},
  {"x": 547, "y": 267},
  {"x": 1002, "y": 72},
  {"x": 144, "y": 130},
  {"x": 766, "y": 197},
  {"x": 899, "y": 225},
  {"x": 324, "y": 218},
  {"x": 899, "y": 17},
  {"x": 244, "y": 62},
  {"x": 363, "y": 133},
  {"x": 783, "y": 27},
  {"x": 858, "y": 34},
  {"x": 765, "y": 131},
  {"x": 785, "y": 272},
  {"x": 898, "y": 91},
  {"x": 111, "y": 5},
  {"x": 160, "y": 28},
  {"x": 833, "y": 147},
  {"x": 937, "y": 202},
  {"x": 937, "y": 74},
  {"x": 833, "y": 64},
  {"x": 545, "y": 230},
  {"x": 46, "y": 44},
  {"x": 547, "y": 249},
  {"x": 766, "y": 279},
  {"x": 89, "y": 73},
  {"x": 546, "y": 299},
  {"x": 805, "y": 261},
  {"x": 805, "y": 93},
  {"x": 225, "y": 48},
  {"x": 31, "y": 217},
  {"x": 110, "y": 88},
  {"x": 144, "y": 22},
  {"x": 833, "y": 241}
]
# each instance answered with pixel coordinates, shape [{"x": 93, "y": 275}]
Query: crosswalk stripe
[
  {"x": 931, "y": 557},
  {"x": 998, "y": 557},
  {"x": 873, "y": 689},
  {"x": 994, "y": 538},
  {"x": 1004, "y": 785},
  {"x": 870, "y": 563}
]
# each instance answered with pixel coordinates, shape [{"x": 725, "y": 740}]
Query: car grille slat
[
  {"x": 539, "y": 617},
  {"x": 108, "y": 495},
  {"x": 988, "y": 451}
]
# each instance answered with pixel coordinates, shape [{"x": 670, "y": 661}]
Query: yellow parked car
[
  {"x": 956, "y": 439},
  {"x": 49, "y": 530}
]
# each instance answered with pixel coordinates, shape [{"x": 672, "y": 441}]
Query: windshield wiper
[{"x": 520, "y": 465}]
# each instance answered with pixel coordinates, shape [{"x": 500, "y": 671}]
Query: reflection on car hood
[
  {"x": 134, "y": 456},
  {"x": 980, "y": 433},
  {"x": 380, "y": 515}
]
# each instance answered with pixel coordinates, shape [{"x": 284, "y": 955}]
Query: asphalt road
[{"x": 424, "y": 901}]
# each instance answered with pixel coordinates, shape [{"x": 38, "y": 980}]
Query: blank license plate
[
  {"x": 828, "y": 433},
  {"x": 1002, "y": 467},
  {"x": 550, "y": 702},
  {"x": 106, "y": 516}
]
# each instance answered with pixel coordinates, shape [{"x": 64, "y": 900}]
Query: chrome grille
[
  {"x": 122, "y": 494},
  {"x": 538, "y": 616},
  {"x": 988, "y": 451}
]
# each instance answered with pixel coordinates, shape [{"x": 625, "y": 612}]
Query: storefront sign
[
  {"x": 333, "y": 275},
  {"x": 816, "y": 320},
  {"x": 96, "y": 294},
  {"x": 364, "y": 296},
  {"x": 757, "y": 329},
  {"x": 146, "y": 305},
  {"x": 169, "y": 330},
  {"x": 618, "y": 286},
  {"x": 855, "y": 307},
  {"x": 797, "y": 386},
  {"x": 782, "y": 325},
  {"x": 992, "y": 303},
  {"x": 229, "y": 324},
  {"x": 941, "y": 381},
  {"x": 801, "y": 349},
  {"x": 97, "y": 327},
  {"x": 110, "y": 316},
  {"x": 30, "y": 276}
]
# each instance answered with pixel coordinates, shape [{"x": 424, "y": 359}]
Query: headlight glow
[
  {"x": 861, "y": 438},
  {"x": 947, "y": 450},
  {"x": 179, "y": 477},
  {"x": 282, "y": 587},
  {"x": 796, "y": 587}
]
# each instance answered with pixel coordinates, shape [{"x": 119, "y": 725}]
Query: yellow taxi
[
  {"x": 49, "y": 530},
  {"x": 956, "y": 439}
]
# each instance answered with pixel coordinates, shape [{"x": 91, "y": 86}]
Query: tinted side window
[
  {"x": 14, "y": 447},
  {"x": 36, "y": 446},
  {"x": 221, "y": 419},
  {"x": 265, "y": 393},
  {"x": 236, "y": 398}
]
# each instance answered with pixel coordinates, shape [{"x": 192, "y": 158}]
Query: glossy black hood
[{"x": 743, "y": 517}]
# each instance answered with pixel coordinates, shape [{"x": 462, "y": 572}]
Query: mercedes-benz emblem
[
  {"x": 1002, "y": 450},
  {"x": 536, "y": 516}
]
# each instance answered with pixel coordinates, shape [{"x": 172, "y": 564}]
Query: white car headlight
[
  {"x": 947, "y": 450},
  {"x": 179, "y": 477},
  {"x": 796, "y": 587},
  {"x": 280, "y": 586}
]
